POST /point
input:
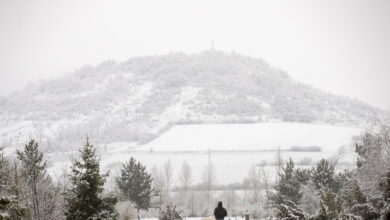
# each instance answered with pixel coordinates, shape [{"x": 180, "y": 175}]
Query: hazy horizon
[{"x": 339, "y": 47}]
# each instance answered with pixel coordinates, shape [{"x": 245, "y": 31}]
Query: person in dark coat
[{"x": 220, "y": 212}]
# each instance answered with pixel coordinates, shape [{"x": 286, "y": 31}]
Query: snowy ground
[
  {"x": 230, "y": 167},
  {"x": 234, "y": 148},
  {"x": 255, "y": 136}
]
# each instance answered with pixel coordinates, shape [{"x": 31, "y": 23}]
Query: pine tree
[
  {"x": 330, "y": 205},
  {"x": 4, "y": 174},
  {"x": 33, "y": 168},
  {"x": 288, "y": 187},
  {"x": 5, "y": 199},
  {"x": 135, "y": 183},
  {"x": 84, "y": 200},
  {"x": 289, "y": 211},
  {"x": 303, "y": 175},
  {"x": 33, "y": 187},
  {"x": 323, "y": 175},
  {"x": 9, "y": 200}
]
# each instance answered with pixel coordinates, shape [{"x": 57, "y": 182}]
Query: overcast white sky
[{"x": 342, "y": 46}]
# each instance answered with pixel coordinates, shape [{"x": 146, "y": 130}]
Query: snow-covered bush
[
  {"x": 289, "y": 211},
  {"x": 169, "y": 213}
]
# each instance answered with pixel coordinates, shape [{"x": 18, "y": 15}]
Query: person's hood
[{"x": 220, "y": 205}]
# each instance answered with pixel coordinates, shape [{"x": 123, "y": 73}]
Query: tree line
[
  {"x": 320, "y": 193},
  {"x": 27, "y": 192}
]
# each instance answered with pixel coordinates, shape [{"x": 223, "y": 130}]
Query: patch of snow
[{"x": 179, "y": 110}]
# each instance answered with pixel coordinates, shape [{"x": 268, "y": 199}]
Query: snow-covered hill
[{"x": 136, "y": 100}]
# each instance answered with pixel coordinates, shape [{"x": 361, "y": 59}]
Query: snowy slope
[
  {"x": 253, "y": 136},
  {"x": 137, "y": 100}
]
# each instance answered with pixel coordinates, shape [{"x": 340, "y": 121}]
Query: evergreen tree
[
  {"x": 288, "y": 187},
  {"x": 135, "y": 183},
  {"x": 10, "y": 209},
  {"x": 108, "y": 210},
  {"x": 303, "y": 175},
  {"x": 84, "y": 200},
  {"x": 4, "y": 172},
  {"x": 323, "y": 175},
  {"x": 34, "y": 188},
  {"x": 289, "y": 211},
  {"x": 33, "y": 167},
  {"x": 330, "y": 205}
]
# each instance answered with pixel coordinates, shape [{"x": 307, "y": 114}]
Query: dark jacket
[{"x": 220, "y": 211}]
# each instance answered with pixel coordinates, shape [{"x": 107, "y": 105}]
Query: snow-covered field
[
  {"x": 249, "y": 137},
  {"x": 234, "y": 148},
  {"x": 230, "y": 167}
]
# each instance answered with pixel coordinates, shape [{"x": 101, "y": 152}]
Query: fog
[
  {"x": 338, "y": 46},
  {"x": 160, "y": 110}
]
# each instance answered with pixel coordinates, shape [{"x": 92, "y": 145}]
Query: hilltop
[{"x": 136, "y": 100}]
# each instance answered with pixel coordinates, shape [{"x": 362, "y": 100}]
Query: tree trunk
[
  {"x": 138, "y": 214},
  {"x": 36, "y": 202}
]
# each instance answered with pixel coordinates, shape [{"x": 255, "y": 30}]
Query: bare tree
[
  {"x": 265, "y": 176},
  {"x": 63, "y": 181},
  {"x": 209, "y": 181},
  {"x": 192, "y": 203},
  {"x": 168, "y": 170},
  {"x": 254, "y": 182},
  {"x": 51, "y": 200},
  {"x": 279, "y": 164},
  {"x": 51, "y": 204},
  {"x": 231, "y": 201},
  {"x": 159, "y": 185},
  {"x": 341, "y": 152},
  {"x": 185, "y": 178}
]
